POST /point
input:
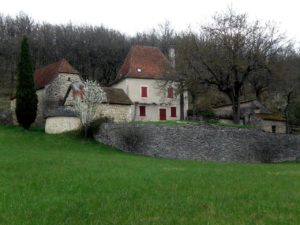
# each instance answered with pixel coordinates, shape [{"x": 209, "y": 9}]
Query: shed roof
[
  {"x": 63, "y": 111},
  {"x": 117, "y": 96},
  {"x": 144, "y": 62},
  {"x": 45, "y": 75},
  {"x": 271, "y": 116}
]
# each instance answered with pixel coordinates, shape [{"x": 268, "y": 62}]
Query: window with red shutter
[
  {"x": 170, "y": 92},
  {"x": 142, "y": 110},
  {"x": 173, "y": 111},
  {"x": 144, "y": 92}
]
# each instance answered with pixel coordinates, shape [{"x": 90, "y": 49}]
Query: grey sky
[{"x": 130, "y": 16}]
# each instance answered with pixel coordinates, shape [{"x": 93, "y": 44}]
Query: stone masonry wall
[
  {"x": 56, "y": 90},
  {"x": 200, "y": 142},
  {"x": 57, "y": 125},
  {"x": 119, "y": 113}
]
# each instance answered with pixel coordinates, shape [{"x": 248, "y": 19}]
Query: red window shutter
[
  {"x": 144, "y": 92},
  {"x": 173, "y": 111},
  {"x": 142, "y": 110},
  {"x": 170, "y": 92}
]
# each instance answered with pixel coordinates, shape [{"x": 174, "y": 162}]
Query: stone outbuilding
[
  {"x": 57, "y": 85},
  {"x": 51, "y": 84},
  {"x": 274, "y": 123},
  {"x": 254, "y": 113}
]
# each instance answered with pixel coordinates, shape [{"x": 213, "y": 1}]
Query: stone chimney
[{"x": 172, "y": 56}]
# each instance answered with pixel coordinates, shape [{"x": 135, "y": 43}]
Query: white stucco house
[{"x": 142, "y": 78}]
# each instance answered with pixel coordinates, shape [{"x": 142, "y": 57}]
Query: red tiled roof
[
  {"x": 45, "y": 75},
  {"x": 144, "y": 62},
  {"x": 269, "y": 116}
]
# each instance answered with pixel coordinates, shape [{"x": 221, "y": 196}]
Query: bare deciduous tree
[
  {"x": 86, "y": 105},
  {"x": 228, "y": 51}
]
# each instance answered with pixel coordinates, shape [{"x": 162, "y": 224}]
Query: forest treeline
[{"x": 96, "y": 51}]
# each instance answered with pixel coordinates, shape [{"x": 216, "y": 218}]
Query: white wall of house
[{"x": 157, "y": 98}]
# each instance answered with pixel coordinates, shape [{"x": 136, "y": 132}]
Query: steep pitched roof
[
  {"x": 117, "y": 96},
  {"x": 45, "y": 75},
  {"x": 144, "y": 62}
]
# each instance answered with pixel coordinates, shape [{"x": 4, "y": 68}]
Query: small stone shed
[
  {"x": 255, "y": 113},
  {"x": 274, "y": 123}
]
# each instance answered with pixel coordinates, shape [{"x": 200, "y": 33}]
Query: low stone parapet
[{"x": 200, "y": 142}]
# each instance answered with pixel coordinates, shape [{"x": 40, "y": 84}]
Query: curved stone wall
[
  {"x": 200, "y": 142},
  {"x": 57, "y": 125}
]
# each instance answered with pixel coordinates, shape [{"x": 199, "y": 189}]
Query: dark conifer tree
[{"x": 26, "y": 98}]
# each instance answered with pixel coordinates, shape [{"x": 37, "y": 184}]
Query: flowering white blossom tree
[{"x": 86, "y": 104}]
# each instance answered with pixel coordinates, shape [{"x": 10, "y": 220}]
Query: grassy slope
[{"x": 59, "y": 180}]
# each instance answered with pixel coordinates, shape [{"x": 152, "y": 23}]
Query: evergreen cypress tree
[{"x": 26, "y": 98}]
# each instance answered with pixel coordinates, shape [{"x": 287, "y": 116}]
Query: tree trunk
[
  {"x": 181, "y": 106},
  {"x": 85, "y": 131},
  {"x": 287, "y": 127},
  {"x": 258, "y": 95},
  {"x": 236, "y": 110},
  {"x": 193, "y": 98},
  {"x": 286, "y": 112}
]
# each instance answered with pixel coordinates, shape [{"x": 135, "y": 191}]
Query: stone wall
[
  {"x": 56, "y": 90},
  {"x": 5, "y": 116},
  {"x": 200, "y": 142},
  {"x": 118, "y": 113}
]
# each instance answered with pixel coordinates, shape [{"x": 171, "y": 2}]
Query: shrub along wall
[{"x": 200, "y": 142}]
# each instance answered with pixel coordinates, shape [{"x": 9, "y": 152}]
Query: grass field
[{"x": 58, "y": 180}]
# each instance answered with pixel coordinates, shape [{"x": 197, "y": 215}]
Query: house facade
[{"x": 142, "y": 79}]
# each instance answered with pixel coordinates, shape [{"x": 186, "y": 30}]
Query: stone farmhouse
[{"x": 138, "y": 92}]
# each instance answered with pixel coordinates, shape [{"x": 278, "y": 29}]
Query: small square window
[{"x": 142, "y": 110}]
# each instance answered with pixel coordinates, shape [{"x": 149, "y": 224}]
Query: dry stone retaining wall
[{"x": 200, "y": 142}]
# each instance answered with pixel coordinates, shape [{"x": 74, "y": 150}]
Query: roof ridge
[{"x": 60, "y": 64}]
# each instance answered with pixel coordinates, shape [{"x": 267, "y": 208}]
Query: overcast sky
[{"x": 131, "y": 16}]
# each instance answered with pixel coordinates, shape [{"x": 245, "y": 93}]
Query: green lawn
[{"x": 58, "y": 180}]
